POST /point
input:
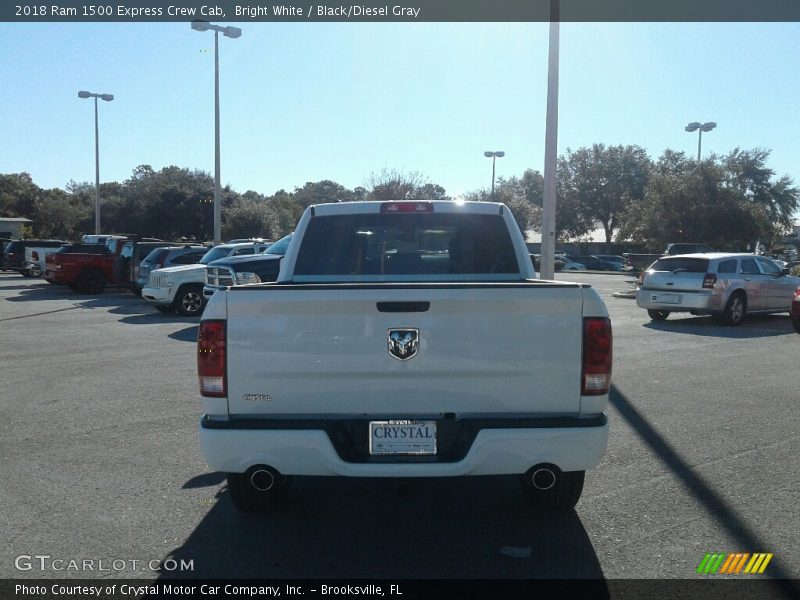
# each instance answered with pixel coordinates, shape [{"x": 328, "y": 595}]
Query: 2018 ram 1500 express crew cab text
[{"x": 405, "y": 339}]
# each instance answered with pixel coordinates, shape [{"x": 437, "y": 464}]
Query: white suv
[{"x": 180, "y": 288}]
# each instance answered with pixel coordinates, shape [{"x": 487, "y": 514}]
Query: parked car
[
  {"x": 80, "y": 248},
  {"x": 243, "y": 240},
  {"x": 794, "y": 311},
  {"x": 615, "y": 260},
  {"x": 180, "y": 288},
  {"x": 167, "y": 256},
  {"x": 90, "y": 272},
  {"x": 34, "y": 261},
  {"x": 592, "y": 263},
  {"x": 4, "y": 242},
  {"x": 14, "y": 254},
  {"x": 687, "y": 248},
  {"x": 569, "y": 264},
  {"x": 241, "y": 270},
  {"x": 782, "y": 264},
  {"x": 723, "y": 284}
]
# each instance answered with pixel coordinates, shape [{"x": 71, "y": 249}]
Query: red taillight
[
  {"x": 709, "y": 280},
  {"x": 406, "y": 207},
  {"x": 795, "y": 310},
  {"x": 211, "y": 358},
  {"x": 596, "y": 376}
]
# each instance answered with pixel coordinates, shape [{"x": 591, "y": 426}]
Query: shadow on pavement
[
  {"x": 327, "y": 527},
  {"x": 752, "y": 327},
  {"x": 155, "y": 317},
  {"x": 186, "y": 335},
  {"x": 110, "y": 297},
  {"x": 204, "y": 480},
  {"x": 117, "y": 300},
  {"x": 723, "y": 513}
]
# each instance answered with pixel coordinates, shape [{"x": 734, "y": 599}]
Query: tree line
[{"x": 727, "y": 201}]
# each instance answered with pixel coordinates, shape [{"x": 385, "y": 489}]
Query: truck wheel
[
  {"x": 189, "y": 300},
  {"x": 552, "y": 489},
  {"x": 246, "y": 495},
  {"x": 735, "y": 309},
  {"x": 90, "y": 282},
  {"x": 658, "y": 315},
  {"x": 796, "y": 324}
]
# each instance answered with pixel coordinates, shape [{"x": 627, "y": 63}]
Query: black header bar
[{"x": 400, "y": 11}]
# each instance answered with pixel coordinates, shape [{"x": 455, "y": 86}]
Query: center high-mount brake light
[
  {"x": 406, "y": 207},
  {"x": 212, "y": 358},
  {"x": 597, "y": 350}
]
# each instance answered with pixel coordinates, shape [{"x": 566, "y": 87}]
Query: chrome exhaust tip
[
  {"x": 543, "y": 478},
  {"x": 262, "y": 479}
]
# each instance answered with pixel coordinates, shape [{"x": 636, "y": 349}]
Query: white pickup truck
[{"x": 405, "y": 339}]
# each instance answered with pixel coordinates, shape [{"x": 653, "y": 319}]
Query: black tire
[
  {"x": 563, "y": 495},
  {"x": 247, "y": 498},
  {"x": 189, "y": 301},
  {"x": 796, "y": 324},
  {"x": 735, "y": 309},
  {"x": 90, "y": 282},
  {"x": 658, "y": 315}
]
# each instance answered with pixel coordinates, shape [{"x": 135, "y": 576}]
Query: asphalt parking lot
[{"x": 98, "y": 415}]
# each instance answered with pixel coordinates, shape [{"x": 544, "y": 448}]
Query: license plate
[
  {"x": 399, "y": 437},
  {"x": 666, "y": 298}
]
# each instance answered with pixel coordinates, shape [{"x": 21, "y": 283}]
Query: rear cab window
[{"x": 419, "y": 246}]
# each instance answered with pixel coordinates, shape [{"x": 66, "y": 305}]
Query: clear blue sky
[{"x": 310, "y": 101}]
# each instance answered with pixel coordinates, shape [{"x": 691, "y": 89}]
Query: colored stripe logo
[{"x": 735, "y": 563}]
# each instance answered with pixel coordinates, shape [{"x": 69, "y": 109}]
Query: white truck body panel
[
  {"x": 480, "y": 351},
  {"x": 499, "y": 358}
]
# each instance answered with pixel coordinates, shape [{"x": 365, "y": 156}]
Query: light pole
[
  {"x": 107, "y": 98},
  {"x": 547, "y": 263},
  {"x": 494, "y": 156},
  {"x": 231, "y": 32},
  {"x": 699, "y": 128}
]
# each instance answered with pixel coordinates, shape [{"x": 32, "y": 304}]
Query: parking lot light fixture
[
  {"x": 230, "y": 32},
  {"x": 494, "y": 155},
  {"x": 699, "y": 128},
  {"x": 107, "y": 98}
]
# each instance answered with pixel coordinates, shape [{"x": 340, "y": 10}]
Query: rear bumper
[
  {"x": 706, "y": 301},
  {"x": 497, "y": 448}
]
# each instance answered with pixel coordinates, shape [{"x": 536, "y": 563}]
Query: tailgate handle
[{"x": 403, "y": 307}]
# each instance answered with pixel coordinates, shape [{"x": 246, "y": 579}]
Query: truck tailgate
[{"x": 485, "y": 349}]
